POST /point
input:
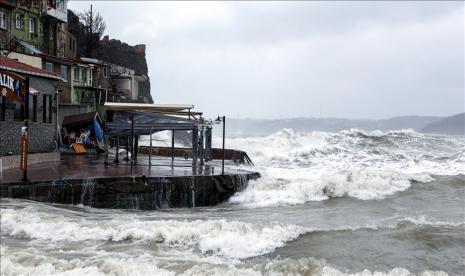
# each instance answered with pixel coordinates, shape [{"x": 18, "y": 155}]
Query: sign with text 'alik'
[{"x": 12, "y": 86}]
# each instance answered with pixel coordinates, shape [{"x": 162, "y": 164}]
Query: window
[
  {"x": 76, "y": 73},
  {"x": 61, "y": 5},
  {"x": 49, "y": 66},
  {"x": 44, "y": 108},
  {"x": 32, "y": 25},
  {"x": 3, "y": 115},
  {"x": 19, "y": 21},
  {"x": 105, "y": 72},
  {"x": 83, "y": 75},
  {"x": 3, "y": 20},
  {"x": 64, "y": 71},
  {"x": 34, "y": 108}
]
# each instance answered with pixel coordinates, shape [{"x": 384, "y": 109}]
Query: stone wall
[
  {"x": 42, "y": 137},
  {"x": 67, "y": 110}
]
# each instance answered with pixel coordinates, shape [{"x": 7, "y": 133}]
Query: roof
[
  {"x": 81, "y": 119},
  {"x": 92, "y": 61},
  {"x": 55, "y": 59},
  {"x": 147, "y": 107},
  {"x": 19, "y": 67}
]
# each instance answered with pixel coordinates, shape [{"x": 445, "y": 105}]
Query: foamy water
[
  {"x": 300, "y": 167},
  {"x": 347, "y": 203}
]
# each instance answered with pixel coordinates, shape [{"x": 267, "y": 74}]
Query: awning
[
  {"x": 29, "y": 47},
  {"x": 33, "y": 91}
]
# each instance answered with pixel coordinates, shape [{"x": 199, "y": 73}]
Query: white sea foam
[
  {"x": 289, "y": 190},
  {"x": 32, "y": 262},
  {"x": 230, "y": 239},
  {"x": 299, "y": 167}
]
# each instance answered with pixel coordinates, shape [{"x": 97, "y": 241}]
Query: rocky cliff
[
  {"x": 133, "y": 57},
  {"x": 113, "y": 51}
]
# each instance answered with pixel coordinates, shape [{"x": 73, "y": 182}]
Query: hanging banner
[{"x": 12, "y": 86}]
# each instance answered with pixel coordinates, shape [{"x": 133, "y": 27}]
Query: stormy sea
[{"x": 328, "y": 203}]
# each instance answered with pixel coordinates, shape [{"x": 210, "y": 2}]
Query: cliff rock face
[
  {"x": 133, "y": 57},
  {"x": 113, "y": 51}
]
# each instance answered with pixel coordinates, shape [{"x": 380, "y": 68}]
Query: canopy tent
[
  {"x": 147, "y": 107},
  {"x": 129, "y": 125},
  {"x": 169, "y": 109},
  {"x": 125, "y": 123}
]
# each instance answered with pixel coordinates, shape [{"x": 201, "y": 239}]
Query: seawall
[{"x": 144, "y": 193}]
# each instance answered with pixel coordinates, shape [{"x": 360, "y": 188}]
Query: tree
[{"x": 94, "y": 27}]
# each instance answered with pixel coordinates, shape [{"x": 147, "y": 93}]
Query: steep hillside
[
  {"x": 451, "y": 125},
  {"x": 257, "y": 127}
]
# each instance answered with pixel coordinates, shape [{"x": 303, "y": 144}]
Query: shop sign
[{"x": 12, "y": 86}]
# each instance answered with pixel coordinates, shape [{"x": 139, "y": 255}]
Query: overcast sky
[{"x": 298, "y": 59}]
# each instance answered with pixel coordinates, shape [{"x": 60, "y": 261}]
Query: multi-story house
[
  {"x": 26, "y": 27},
  {"x": 61, "y": 67},
  {"x": 125, "y": 84},
  {"x": 55, "y": 30},
  {"x": 90, "y": 83},
  {"x": 6, "y": 7},
  {"x": 37, "y": 26}
]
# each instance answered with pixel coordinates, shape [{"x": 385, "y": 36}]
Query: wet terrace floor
[{"x": 87, "y": 166}]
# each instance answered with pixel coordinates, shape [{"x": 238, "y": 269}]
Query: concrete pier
[{"x": 88, "y": 181}]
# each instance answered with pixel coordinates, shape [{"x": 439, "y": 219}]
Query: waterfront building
[
  {"x": 6, "y": 8},
  {"x": 40, "y": 107},
  {"x": 62, "y": 68},
  {"x": 90, "y": 85},
  {"x": 125, "y": 84},
  {"x": 26, "y": 28},
  {"x": 54, "y": 19},
  {"x": 36, "y": 26}
]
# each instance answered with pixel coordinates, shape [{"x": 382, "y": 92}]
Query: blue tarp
[{"x": 98, "y": 131}]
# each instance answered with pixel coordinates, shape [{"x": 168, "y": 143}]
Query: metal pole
[
  {"x": 132, "y": 137},
  {"x": 150, "y": 149},
  {"x": 127, "y": 148},
  {"x": 172, "y": 147},
  {"x": 107, "y": 145},
  {"x": 201, "y": 144},
  {"x": 117, "y": 151},
  {"x": 136, "y": 147},
  {"x": 224, "y": 130},
  {"x": 195, "y": 144}
]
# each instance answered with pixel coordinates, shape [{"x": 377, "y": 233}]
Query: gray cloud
[{"x": 280, "y": 59}]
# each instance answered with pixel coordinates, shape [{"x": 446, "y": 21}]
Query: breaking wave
[
  {"x": 300, "y": 167},
  {"x": 230, "y": 239},
  {"x": 32, "y": 262},
  {"x": 221, "y": 238}
]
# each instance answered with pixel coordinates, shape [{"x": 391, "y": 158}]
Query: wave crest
[{"x": 230, "y": 239}]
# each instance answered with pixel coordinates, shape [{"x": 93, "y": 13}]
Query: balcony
[{"x": 56, "y": 10}]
